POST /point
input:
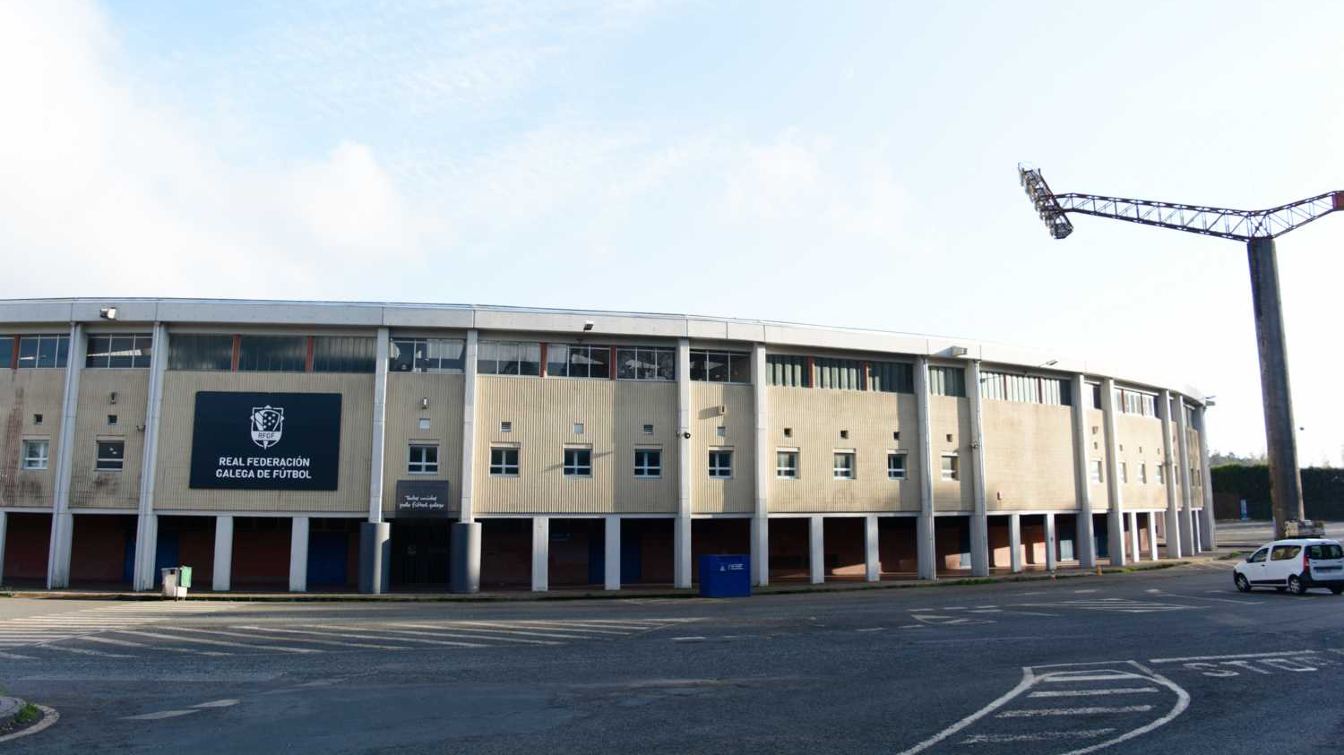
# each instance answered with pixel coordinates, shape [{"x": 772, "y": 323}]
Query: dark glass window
[
  {"x": 7, "y": 351},
  {"x": 272, "y": 353},
  {"x": 648, "y": 462},
  {"x": 504, "y": 461},
  {"x": 639, "y": 363},
  {"x": 344, "y": 354},
  {"x": 947, "y": 381},
  {"x": 111, "y": 455},
  {"x": 578, "y": 462},
  {"x": 578, "y": 361},
  {"x": 426, "y": 355},
  {"x": 720, "y": 366},
  {"x": 192, "y": 351},
  {"x": 43, "y": 351},
  {"x": 131, "y": 350},
  {"x": 509, "y": 358}
]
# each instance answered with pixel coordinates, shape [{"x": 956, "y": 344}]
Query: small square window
[
  {"x": 896, "y": 465},
  {"x": 843, "y": 467},
  {"x": 578, "y": 462},
  {"x": 578, "y": 428},
  {"x": 36, "y": 454},
  {"x": 111, "y": 419},
  {"x": 721, "y": 431},
  {"x": 786, "y": 465},
  {"x": 844, "y": 434},
  {"x": 504, "y": 462},
  {"x": 1095, "y": 473},
  {"x": 896, "y": 435},
  {"x": 788, "y": 432},
  {"x": 506, "y": 427},
  {"x": 111, "y": 455},
  {"x": 721, "y": 464},
  {"x": 648, "y": 429},
  {"x": 648, "y": 463},
  {"x": 37, "y": 419},
  {"x": 951, "y": 467},
  {"x": 424, "y": 423},
  {"x": 949, "y": 437},
  {"x": 423, "y": 458}
]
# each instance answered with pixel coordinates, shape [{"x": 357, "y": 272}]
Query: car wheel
[
  {"x": 1243, "y": 584},
  {"x": 1296, "y": 586},
  {"x": 1337, "y": 590}
]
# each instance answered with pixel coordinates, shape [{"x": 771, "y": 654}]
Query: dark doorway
[
  {"x": 102, "y": 550},
  {"x": 420, "y": 552},
  {"x": 27, "y": 538},
  {"x": 333, "y": 553}
]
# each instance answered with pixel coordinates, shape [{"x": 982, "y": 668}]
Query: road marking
[
  {"x": 162, "y": 714},
  {"x": 327, "y": 634},
  {"x": 17, "y": 657},
  {"x": 84, "y": 651},
  {"x": 465, "y": 633},
  {"x": 688, "y": 639},
  {"x": 1231, "y": 657},
  {"x": 510, "y": 628},
  {"x": 871, "y": 629},
  {"x": 227, "y": 703},
  {"x": 188, "y": 640},
  {"x": 1093, "y": 692},
  {"x": 449, "y": 643},
  {"x": 1087, "y": 711},
  {"x": 223, "y": 633},
  {"x": 1040, "y": 736},
  {"x": 129, "y": 644},
  {"x": 1084, "y": 677}
]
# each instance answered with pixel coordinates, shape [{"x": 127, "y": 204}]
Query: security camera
[{"x": 686, "y": 435}]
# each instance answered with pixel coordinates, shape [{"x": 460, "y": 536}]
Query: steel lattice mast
[{"x": 1258, "y": 228}]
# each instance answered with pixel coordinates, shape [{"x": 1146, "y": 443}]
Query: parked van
[{"x": 1296, "y": 565}]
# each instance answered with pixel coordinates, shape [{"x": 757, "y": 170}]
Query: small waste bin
[
  {"x": 725, "y": 576},
  {"x": 172, "y": 585}
]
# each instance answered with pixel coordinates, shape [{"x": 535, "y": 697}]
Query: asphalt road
[{"x": 1166, "y": 661}]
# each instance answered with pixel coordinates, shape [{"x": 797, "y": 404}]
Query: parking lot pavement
[{"x": 1168, "y": 661}]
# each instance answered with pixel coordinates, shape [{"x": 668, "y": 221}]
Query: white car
[{"x": 1296, "y": 564}]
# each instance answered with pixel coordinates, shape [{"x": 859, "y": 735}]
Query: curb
[
  {"x": 11, "y": 707},
  {"x": 517, "y": 597}
]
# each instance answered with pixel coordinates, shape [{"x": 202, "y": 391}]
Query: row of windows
[
  {"x": 110, "y": 455},
  {"x": 43, "y": 351},
  {"x": 1096, "y": 473},
  {"x": 576, "y": 360},
  {"x": 1134, "y": 402},
  {"x": 1030, "y": 389},
  {"x": 839, "y": 374},
  {"x": 844, "y": 465},
  {"x": 265, "y": 353}
]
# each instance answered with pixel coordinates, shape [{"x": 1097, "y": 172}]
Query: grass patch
[{"x": 28, "y": 714}]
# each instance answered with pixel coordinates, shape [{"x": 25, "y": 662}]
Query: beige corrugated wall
[
  {"x": 1141, "y": 441},
  {"x": 90, "y": 488},
  {"x": 951, "y": 416},
  {"x": 1096, "y": 450},
  {"x": 404, "y": 413},
  {"x": 737, "y": 494},
  {"x": 1028, "y": 457},
  {"x": 24, "y": 393},
  {"x": 174, "y": 462}
]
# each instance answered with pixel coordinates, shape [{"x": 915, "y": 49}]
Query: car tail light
[{"x": 1306, "y": 559}]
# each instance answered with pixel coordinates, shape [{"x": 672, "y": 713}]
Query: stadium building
[{"x": 340, "y": 446}]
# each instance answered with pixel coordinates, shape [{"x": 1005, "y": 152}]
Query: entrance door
[
  {"x": 328, "y": 553},
  {"x": 420, "y": 553}
]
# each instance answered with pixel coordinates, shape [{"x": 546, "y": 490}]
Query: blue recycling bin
[{"x": 725, "y": 576}]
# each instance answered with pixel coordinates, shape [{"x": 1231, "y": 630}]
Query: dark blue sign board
[
  {"x": 422, "y": 499},
  {"x": 266, "y": 441}
]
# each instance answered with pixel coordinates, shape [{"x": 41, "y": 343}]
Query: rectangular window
[
  {"x": 1160, "y": 472},
  {"x": 1095, "y": 390},
  {"x": 111, "y": 455},
  {"x": 721, "y": 463},
  {"x": 130, "y": 350},
  {"x": 504, "y": 461},
  {"x": 36, "y": 454},
  {"x": 648, "y": 462},
  {"x": 1030, "y": 389},
  {"x": 891, "y": 377},
  {"x": 1095, "y": 473},
  {"x": 843, "y": 465},
  {"x": 578, "y": 361},
  {"x": 720, "y": 366},
  {"x": 788, "y": 371},
  {"x": 357, "y": 354},
  {"x": 43, "y": 351},
  {"x": 841, "y": 374},
  {"x": 509, "y": 358},
  {"x": 1143, "y": 474},
  {"x": 199, "y": 351},
  {"x": 426, "y": 355},
  {"x": 272, "y": 353},
  {"x": 947, "y": 381},
  {"x": 646, "y": 363},
  {"x": 423, "y": 458},
  {"x": 1124, "y": 473},
  {"x": 896, "y": 465},
  {"x": 6, "y": 351},
  {"x": 786, "y": 464},
  {"x": 578, "y": 462},
  {"x": 951, "y": 467}
]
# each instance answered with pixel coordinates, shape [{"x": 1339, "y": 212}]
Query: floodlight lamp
[
  {"x": 587, "y": 325},
  {"x": 108, "y": 313}
]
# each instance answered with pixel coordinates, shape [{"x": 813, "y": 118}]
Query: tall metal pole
[{"x": 1281, "y": 442}]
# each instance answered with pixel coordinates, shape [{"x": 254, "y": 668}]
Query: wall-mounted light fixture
[
  {"x": 424, "y": 402},
  {"x": 587, "y": 325},
  {"x": 112, "y": 397},
  {"x": 108, "y": 313}
]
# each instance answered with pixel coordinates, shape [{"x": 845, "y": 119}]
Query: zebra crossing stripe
[
  {"x": 85, "y": 651},
  {"x": 1086, "y": 711},
  {"x": 1094, "y": 692},
  {"x": 277, "y": 648},
  {"x": 479, "y": 634},
  {"x": 451, "y": 643},
  {"x": 1039, "y": 736},
  {"x": 129, "y": 644},
  {"x": 501, "y": 627},
  {"x": 17, "y": 657},
  {"x": 326, "y": 634}
]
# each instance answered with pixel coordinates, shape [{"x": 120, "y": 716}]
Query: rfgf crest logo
[{"x": 268, "y": 423}]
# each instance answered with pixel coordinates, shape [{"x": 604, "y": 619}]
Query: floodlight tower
[{"x": 1258, "y": 228}]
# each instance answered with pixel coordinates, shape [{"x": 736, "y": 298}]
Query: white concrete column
[
  {"x": 541, "y": 554},
  {"x": 872, "y": 563},
  {"x": 2, "y": 546},
  {"x": 1052, "y": 543},
  {"x": 146, "y": 530},
  {"x": 924, "y": 524},
  {"x": 62, "y": 523},
  {"x": 1152, "y": 536},
  {"x": 298, "y": 554},
  {"x": 685, "y": 464},
  {"x": 979, "y": 515},
  {"x": 1197, "y": 542},
  {"x": 816, "y": 538},
  {"x": 1208, "y": 517},
  {"x": 611, "y": 561},
  {"x": 379, "y": 441},
  {"x": 1187, "y": 518},
  {"x": 1015, "y": 542},
  {"x": 1083, "y": 542},
  {"x": 469, "y": 364},
  {"x": 1115, "y": 522},
  {"x": 765, "y": 458},
  {"x": 223, "y": 576},
  {"x": 1134, "y": 537},
  {"x": 1171, "y": 522}
]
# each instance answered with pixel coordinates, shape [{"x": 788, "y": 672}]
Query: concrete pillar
[
  {"x": 924, "y": 524},
  {"x": 541, "y": 554},
  {"x": 371, "y": 557},
  {"x": 1196, "y": 544},
  {"x": 1115, "y": 516},
  {"x": 1134, "y": 537},
  {"x": 465, "y": 571},
  {"x": 298, "y": 554},
  {"x": 1171, "y": 522},
  {"x": 816, "y": 538},
  {"x": 2, "y": 547},
  {"x": 223, "y": 554},
  {"x": 1187, "y": 518},
  {"x": 375, "y": 556},
  {"x": 685, "y": 464},
  {"x": 1052, "y": 543},
  {"x": 58, "y": 553},
  {"x": 146, "y": 528},
  {"x": 1084, "y": 543},
  {"x": 979, "y": 515},
  {"x": 872, "y": 564},
  {"x": 1015, "y": 542},
  {"x": 1152, "y": 536},
  {"x": 765, "y": 459},
  {"x": 611, "y": 544},
  {"x": 1208, "y": 525}
]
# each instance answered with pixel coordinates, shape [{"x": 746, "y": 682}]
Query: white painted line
[
  {"x": 188, "y": 640},
  {"x": 1027, "y": 680},
  {"x": 449, "y": 643},
  {"x": 465, "y": 633},
  {"x": 1086, "y": 591},
  {"x": 688, "y": 639},
  {"x": 217, "y": 704},
  {"x": 566, "y": 626},
  {"x": 129, "y": 644},
  {"x": 85, "y": 651},
  {"x": 1040, "y": 736},
  {"x": 1094, "y": 692},
  {"x": 223, "y": 633},
  {"x": 49, "y": 717},
  {"x": 871, "y": 629},
  {"x": 510, "y": 629},
  {"x": 1067, "y": 678},
  {"x": 160, "y": 715},
  {"x": 17, "y": 657},
  {"x": 1231, "y": 657},
  {"x": 326, "y": 634},
  {"x": 1087, "y": 711}
]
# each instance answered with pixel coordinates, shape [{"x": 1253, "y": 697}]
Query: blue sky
[{"x": 835, "y": 163}]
